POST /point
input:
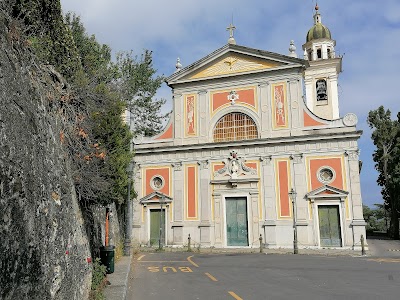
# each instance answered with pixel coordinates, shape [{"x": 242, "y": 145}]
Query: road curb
[{"x": 119, "y": 279}]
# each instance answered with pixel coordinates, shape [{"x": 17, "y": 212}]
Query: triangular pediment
[
  {"x": 327, "y": 191},
  {"x": 155, "y": 197},
  {"x": 232, "y": 60},
  {"x": 234, "y": 63}
]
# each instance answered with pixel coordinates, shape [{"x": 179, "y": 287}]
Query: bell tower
[{"x": 321, "y": 77}]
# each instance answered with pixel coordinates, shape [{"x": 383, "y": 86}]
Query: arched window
[
  {"x": 321, "y": 89},
  {"x": 235, "y": 127}
]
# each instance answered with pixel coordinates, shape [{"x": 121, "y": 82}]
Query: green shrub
[{"x": 98, "y": 280}]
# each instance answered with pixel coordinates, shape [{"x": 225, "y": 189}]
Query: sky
[{"x": 367, "y": 34}]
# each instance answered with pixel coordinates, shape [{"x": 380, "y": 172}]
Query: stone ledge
[{"x": 119, "y": 279}]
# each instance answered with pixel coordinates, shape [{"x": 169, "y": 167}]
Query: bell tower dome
[{"x": 321, "y": 77}]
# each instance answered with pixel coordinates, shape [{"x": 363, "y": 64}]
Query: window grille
[{"x": 235, "y": 127}]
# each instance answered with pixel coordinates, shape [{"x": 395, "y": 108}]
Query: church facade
[{"x": 255, "y": 147}]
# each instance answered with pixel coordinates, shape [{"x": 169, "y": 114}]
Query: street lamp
[
  {"x": 292, "y": 195},
  {"x": 129, "y": 205},
  {"x": 128, "y": 214},
  {"x": 162, "y": 201}
]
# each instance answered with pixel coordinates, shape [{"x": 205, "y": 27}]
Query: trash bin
[{"x": 107, "y": 258}]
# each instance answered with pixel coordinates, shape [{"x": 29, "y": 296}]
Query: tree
[
  {"x": 43, "y": 24},
  {"x": 138, "y": 85},
  {"x": 115, "y": 137},
  {"x": 376, "y": 218},
  {"x": 386, "y": 138},
  {"x": 110, "y": 150}
]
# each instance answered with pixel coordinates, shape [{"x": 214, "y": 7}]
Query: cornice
[{"x": 308, "y": 138}]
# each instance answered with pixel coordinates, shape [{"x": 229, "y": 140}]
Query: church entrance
[
  {"x": 157, "y": 221},
  {"x": 329, "y": 226},
  {"x": 236, "y": 222}
]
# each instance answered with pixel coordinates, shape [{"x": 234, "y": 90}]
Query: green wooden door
[
  {"x": 155, "y": 226},
  {"x": 236, "y": 222},
  {"x": 329, "y": 226}
]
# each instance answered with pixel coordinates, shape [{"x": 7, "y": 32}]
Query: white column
[
  {"x": 203, "y": 116},
  {"x": 333, "y": 98},
  {"x": 355, "y": 200},
  {"x": 324, "y": 51},
  {"x": 178, "y": 211},
  {"x": 205, "y": 204},
  {"x": 269, "y": 201},
  {"x": 265, "y": 104},
  {"x": 299, "y": 183},
  {"x": 178, "y": 117},
  {"x": 218, "y": 212}
]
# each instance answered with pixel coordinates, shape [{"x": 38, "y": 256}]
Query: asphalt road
[{"x": 260, "y": 276}]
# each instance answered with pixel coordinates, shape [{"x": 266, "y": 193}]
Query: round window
[
  {"x": 157, "y": 182},
  {"x": 326, "y": 175}
]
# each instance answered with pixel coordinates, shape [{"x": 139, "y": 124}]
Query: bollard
[
  {"x": 260, "y": 243},
  {"x": 189, "y": 247},
  {"x": 362, "y": 245}
]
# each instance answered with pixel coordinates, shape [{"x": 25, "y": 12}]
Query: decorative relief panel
[
  {"x": 190, "y": 115},
  {"x": 234, "y": 167},
  {"x": 237, "y": 96},
  {"x": 350, "y": 119},
  {"x": 279, "y": 106}
]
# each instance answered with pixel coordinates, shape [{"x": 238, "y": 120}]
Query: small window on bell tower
[
  {"x": 319, "y": 53},
  {"x": 329, "y": 53},
  {"x": 321, "y": 89}
]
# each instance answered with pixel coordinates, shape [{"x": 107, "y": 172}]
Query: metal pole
[
  {"x": 362, "y": 245},
  {"x": 261, "y": 243},
  {"x": 189, "y": 243},
  {"x": 128, "y": 216},
  {"x": 292, "y": 195},
  {"x": 129, "y": 206},
  {"x": 159, "y": 239}
]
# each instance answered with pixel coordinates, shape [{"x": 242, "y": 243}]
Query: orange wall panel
[
  {"x": 191, "y": 192},
  {"x": 221, "y": 98},
  {"x": 168, "y": 134},
  {"x": 162, "y": 171},
  {"x": 252, "y": 165},
  {"x": 283, "y": 177},
  {"x": 308, "y": 121},
  {"x": 335, "y": 163}
]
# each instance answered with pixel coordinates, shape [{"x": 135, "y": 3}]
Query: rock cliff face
[{"x": 44, "y": 252}]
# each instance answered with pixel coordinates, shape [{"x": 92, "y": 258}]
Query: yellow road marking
[
  {"x": 192, "y": 262},
  {"x": 395, "y": 260},
  {"x": 163, "y": 261},
  {"x": 211, "y": 277},
  {"x": 140, "y": 257},
  {"x": 234, "y": 295}
]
